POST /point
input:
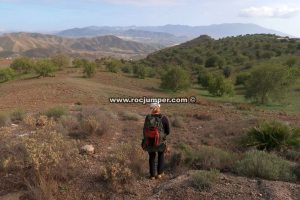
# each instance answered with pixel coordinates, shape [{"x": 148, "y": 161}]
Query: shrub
[
  {"x": 269, "y": 81},
  {"x": 78, "y": 63},
  {"x": 60, "y": 61},
  {"x": 175, "y": 79},
  {"x": 126, "y": 69},
  {"x": 6, "y": 74},
  {"x": 178, "y": 122},
  {"x": 227, "y": 71},
  {"x": 4, "y": 119},
  {"x": 44, "y": 68},
  {"x": 22, "y": 65},
  {"x": 272, "y": 136},
  {"x": 207, "y": 157},
  {"x": 140, "y": 71},
  {"x": 204, "y": 78},
  {"x": 17, "y": 115},
  {"x": 204, "y": 117},
  {"x": 218, "y": 86},
  {"x": 203, "y": 180},
  {"x": 264, "y": 165},
  {"x": 89, "y": 69},
  {"x": 151, "y": 72},
  {"x": 56, "y": 112},
  {"x": 212, "y": 61},
  {"x": 242, "y": 78},
  {"x": 126, "y": 115}
]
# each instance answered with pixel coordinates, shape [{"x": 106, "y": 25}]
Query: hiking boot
[{"x": 159, "y": 176}]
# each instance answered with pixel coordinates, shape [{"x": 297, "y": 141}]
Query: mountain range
[
  {"x": 169, "y": 35},
  {"x": 43, "y": 45}
]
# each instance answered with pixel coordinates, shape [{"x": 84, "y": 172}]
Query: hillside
[
  {"x": 80, "y": 176},
  {"x": 41, "y": 45},
  {"x": 230, "y": 51}
]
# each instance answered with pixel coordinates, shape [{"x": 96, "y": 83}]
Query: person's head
[{"x": 155, "y": 108}]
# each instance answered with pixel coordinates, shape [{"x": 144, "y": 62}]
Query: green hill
[{"x": 231, "y": 51}]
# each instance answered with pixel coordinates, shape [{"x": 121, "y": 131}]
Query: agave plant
[{"x": 272, "y": 136}]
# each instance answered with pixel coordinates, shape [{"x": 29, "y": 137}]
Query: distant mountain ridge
[
  {"x": 42, "y": 45},
  {"x": 170, "y": 35}
]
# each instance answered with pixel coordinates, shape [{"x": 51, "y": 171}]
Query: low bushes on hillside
[
  {"x": 264, "y": 165},
  {"x": 203, "y": 180},
  {"x": 207, "y": 157},
  {"x": 22, "y": 65},
  {"x": 178, "y": 122},
  {"x": 89, "y": 69},
  {"x": 272, "y": 136},
  {"x": 56, "y": 112},
  {"x": 127, "y": 115},
  {"x": 17, "y": 115},
  {"x": 219, "y": 86}
]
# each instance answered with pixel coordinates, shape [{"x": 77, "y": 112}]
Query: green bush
[
  {"x": 22, "y": 65},
  {"x": 139, "y": 71},
  {"x": 60, "y": 61},
  {"x": 272, "y": 136},
  {"x": 78, "y": 63},
  {"x": 207, "y": 157},
  {"x": 4, "y": 119},
  {"x": 126, "y": 69},
  {"x": 6, "y": 74},
  {"x": 56, "y": 112},
  {"x": 44, "y": 68},
  {"x": 17, "y": 115},
  {"x": 269, "y": 81},
  {"x": 203, "y": 180},
  {"x": 264, "y": 165},
  {"x": 242, "y": 78},
  {"x": 219, "y": 86},
  {"x": 175, "y": 79},
  {"x": 89, "y": 69},
  {"x": 204, "y": 77},
  {"x": 227, "y": 71}
]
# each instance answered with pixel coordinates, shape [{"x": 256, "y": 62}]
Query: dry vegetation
[{"x": 40, "y": 144}]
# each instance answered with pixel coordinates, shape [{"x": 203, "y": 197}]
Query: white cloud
[{"x": 267, "y": 11}]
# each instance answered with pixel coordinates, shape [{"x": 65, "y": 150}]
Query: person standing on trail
[{"x": 156, "y": 129}]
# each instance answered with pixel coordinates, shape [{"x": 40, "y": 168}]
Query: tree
[
  {"x": 78, "y": 63},
  {"x": 242, "y": 78},
  {"x": 203, "y": 78},
  {"x": 6, "y": 74},
  {"x": 269, "y": 81},
  {"x": 60, "y": 61},
  {"x": 219, "y": 86},
  {"x": 212, "y": 61},
  {"x": 22, "y": 65},
  {"x": 175, "y": 79},
  {"x": 45, "y": 68},
  {"x": 89, "y": 69},
  {"x": 140, "y": 72},
  {"x": 227, "y": 72}
]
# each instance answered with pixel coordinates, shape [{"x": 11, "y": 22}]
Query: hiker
[{"x": 156, "y": 129}]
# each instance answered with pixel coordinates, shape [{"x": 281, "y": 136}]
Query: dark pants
[{"x": 160, "y": 163}]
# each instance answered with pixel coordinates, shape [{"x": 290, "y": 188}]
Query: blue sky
[{"x": 53, "y": 15}]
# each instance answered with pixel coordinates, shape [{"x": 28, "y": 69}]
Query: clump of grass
[
  {"x": 208, "y": 157},
  {"x": 203, "y": 117},
  {"x": 17, "y": 115},
  {"x": 127, "y": 115},
  {"x": 178, "y": 122},
  {"x": 265, "y": 165},
  {"x": 56, "y": 112},
  {"x": 203, "y": 180},
  {"x": 272, "y": 136},
  {"x": 4, "y": 119}
]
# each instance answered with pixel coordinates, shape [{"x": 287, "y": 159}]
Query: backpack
[{"x": 154, "y": 132}]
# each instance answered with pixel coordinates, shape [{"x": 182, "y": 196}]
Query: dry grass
[
  {"x": 4, "y": 119},
  {"x": 127, "y": 115}
]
